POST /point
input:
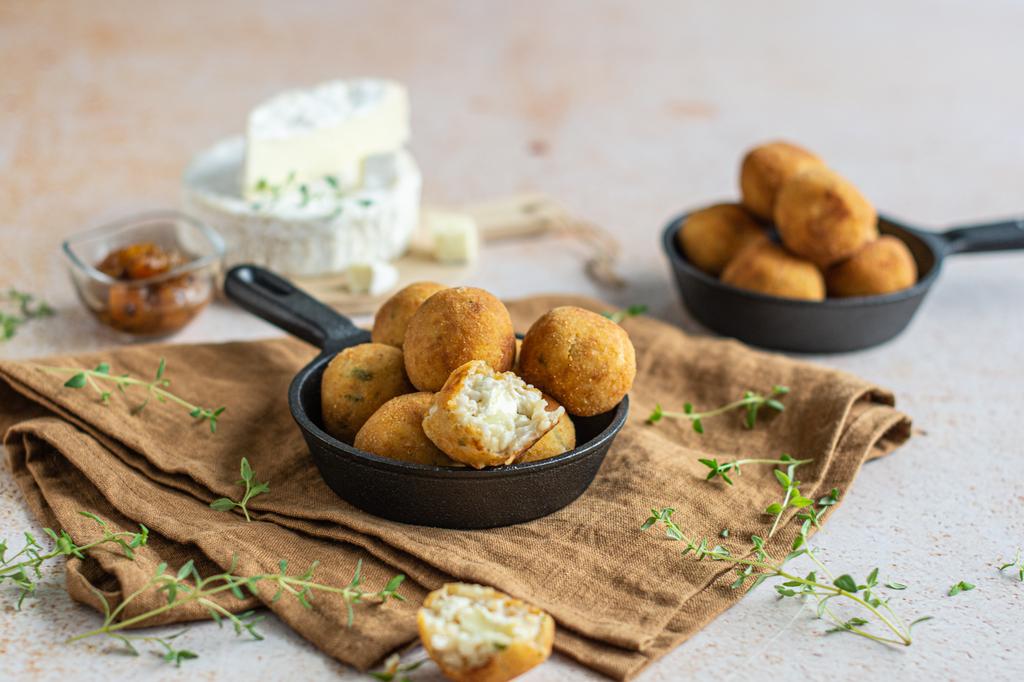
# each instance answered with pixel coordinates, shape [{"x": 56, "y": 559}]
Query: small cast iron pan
[
  {"x": 834, "y": 325},
  {"x": 447, "y": 497}
]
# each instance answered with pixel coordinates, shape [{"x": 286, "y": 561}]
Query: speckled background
[{"x": 628, "y": 112}]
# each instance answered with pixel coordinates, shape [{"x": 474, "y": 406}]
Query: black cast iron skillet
[
  {"x": 834, "y": 325},
  {"x": 448, "y": 497}
]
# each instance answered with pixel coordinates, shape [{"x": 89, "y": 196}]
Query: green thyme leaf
[
  {"x": 845, "y": 582},
  {"x": 618, "y": 316},
  {"x": 1017, "y": 565},
  {"x": 223, "y": 504},
  {"x": 959, "y": 587}
]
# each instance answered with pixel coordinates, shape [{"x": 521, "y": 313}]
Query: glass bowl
[{"x": 154, "y": 306}]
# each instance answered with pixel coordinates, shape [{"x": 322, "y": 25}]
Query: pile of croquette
[
  {"x": 444, "y": 381},
  {"x": 827, "y": 232}
]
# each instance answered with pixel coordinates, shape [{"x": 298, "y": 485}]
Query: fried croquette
[
  {"x": 393, "y": 317},
  {"x": 581, "y": 359},
  {"x": 765, "y": 169},
  {"x": 477, "y": 634},
  {"x": 453, "y": 327},
  {"x": 555, "y": 442},
  {"x": 822, "y": 217},
  {"x": 357, "y": 381},
  {"x": 711, "y": 236},
  {"x": 486, "y": 418},
  {"x": 769, "y": 269},
  {"x": 396, "y": 431},
  {"x": 881, "y": 267}
]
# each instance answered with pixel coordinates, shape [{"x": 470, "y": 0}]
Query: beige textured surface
[{"x": 628, "y": 112}]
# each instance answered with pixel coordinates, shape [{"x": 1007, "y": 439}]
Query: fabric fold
[{"x": 621, "y": 597}]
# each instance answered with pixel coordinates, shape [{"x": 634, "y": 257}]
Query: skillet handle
[
  {"x": 1002, "y": 236},
  {"x": 287, "y": 307}
]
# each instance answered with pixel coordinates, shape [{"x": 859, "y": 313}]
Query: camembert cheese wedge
[{"x": 328, "y": 131}]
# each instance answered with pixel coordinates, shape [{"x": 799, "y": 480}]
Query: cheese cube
[
  {"x": 371, "y": 278},
  {"x": 454, "y": 235}
]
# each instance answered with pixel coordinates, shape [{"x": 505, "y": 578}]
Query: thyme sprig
[
  {"x": 617, "y": 316},
  {"x": 751, "y": 402},
  {"x": 722, "y": 469},
  {"x": 961, "y": 586},
  {"x": 1016, "y": 565},
  {"x": 23, "y": 568},
  {"x": 756, "y": 566},
  {"x": 252, "y": 489},
  {"x": 810, "y": 516},
  {"x": 791, "y": 494},
  {"x": 26, "y": 308},
  {"x": 179, "y": 588},
  {"x": 157, "y": 388},
  {"x": 396, "y": 671},
  {"x": 186, "y": 586},
  {"x": 169, "y": 653}
]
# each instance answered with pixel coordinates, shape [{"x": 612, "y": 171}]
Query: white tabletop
[{"x": 628, "y": 113}]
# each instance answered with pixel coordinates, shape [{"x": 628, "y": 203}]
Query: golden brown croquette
[
  {"x": 765, "y": 169},
  {"x": 453, "y": 327},
  {"x": 822, "y": 217},
  {"x": 711, "y": 236},
  {"x": 582, "y": 359},
  {"x": 396, "y": 431},
  {"x": 356, "y": 382},
  {"x": 769, "y": 269},
  {"x": 555, "y": 442},
  {"x": 486, "y": 418},
  {"x": 881, "y": 267},
  {"x": 477, "y": 634},
  {"x": 393, "y": 317}
]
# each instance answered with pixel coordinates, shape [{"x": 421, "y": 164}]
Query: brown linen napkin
[{"x": 621, "y": 598}]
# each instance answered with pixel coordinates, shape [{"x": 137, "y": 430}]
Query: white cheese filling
[
  {"x": 469, "y": 627},
  {"x": 509, "y": 413}
]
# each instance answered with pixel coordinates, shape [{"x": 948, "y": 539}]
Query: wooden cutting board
[
  {"x": 412, "y": 267},
  {"x": 517, "y": 217}
]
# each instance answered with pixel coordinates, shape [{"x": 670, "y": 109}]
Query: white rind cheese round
[{"x": 305, "y": 229}]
